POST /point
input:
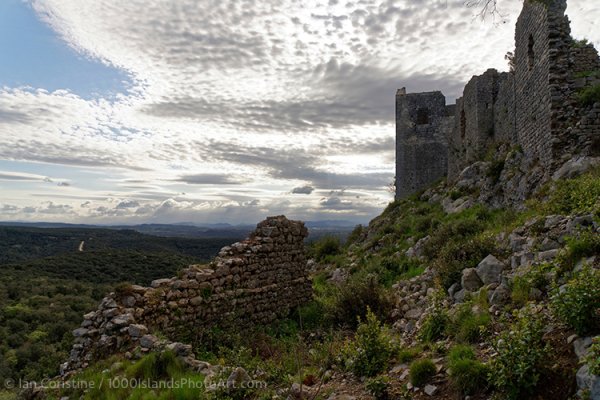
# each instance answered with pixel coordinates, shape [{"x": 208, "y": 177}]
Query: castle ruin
[{"x": 535, "y": 108}]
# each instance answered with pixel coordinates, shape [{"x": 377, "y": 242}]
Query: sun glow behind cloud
[{"x": 237, "y": 109}]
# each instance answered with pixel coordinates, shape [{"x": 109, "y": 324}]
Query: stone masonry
[
  {"x": 421, "y": 146},
  {"x": 251, "y": 282},
  {"x": 534, "y": 108}
]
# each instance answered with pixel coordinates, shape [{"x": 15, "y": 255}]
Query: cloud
[
  {"x": 127, "y": 204},
  {"x": 210, "y": 179},
  {"x": 335, "y": 203},
  {"x": 19, "y": 176},
  {"x": 306, "y": 189},
  {"x": 262, "y": 96}
]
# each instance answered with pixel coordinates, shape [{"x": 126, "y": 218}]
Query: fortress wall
[
  {"x": 251, "y": 282},
  {"x": 422, "y": 128}
]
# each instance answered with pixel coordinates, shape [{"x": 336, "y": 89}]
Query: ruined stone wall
[
  {"x": 484, "y": 117},
  {"x": 532, "y": 90},
  {"x": 579, "y": 124},
  {"x": 422, "y": 127},
  {"x": 551, "y": 70},
  {"x": 251, "y": 282},
  {"x": 535, "y": 108},
  {"x": 504, "y": 109}
]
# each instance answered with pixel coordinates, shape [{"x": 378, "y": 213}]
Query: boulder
[
  {"x": 459, "y": 296},
  {"x": 180, "y": 349},
  {"x": 470, "y": 280},
  {"x": 588, "y": 382},
  {"x": 501, "y": 295},
  {"x": 547, "y": 255},
  {"x": 575, "y": 167},
  {"x": 137, "y": 330},
  {"x": 490, "y": 270},
  {"x": 148, "y": 341},
  {"x": 79, "y": 332},
  {"x": 581, "y": 346}
]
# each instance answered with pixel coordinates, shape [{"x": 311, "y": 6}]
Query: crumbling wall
[
  {"x": 422, "y": 127},
  {"x": 251, "y": 282},
  {"x": 536, "y": 108},
  {"x": 532, "y": 86},
  {"x": 484, "y": 117},
  {"x": 504, "y": 109}
]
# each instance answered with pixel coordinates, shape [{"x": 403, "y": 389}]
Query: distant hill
[{"x": 21, "y": 243}]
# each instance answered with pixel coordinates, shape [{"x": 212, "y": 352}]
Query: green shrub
[
  {"x": 390, "y": 269},
  {"x": 586, "y": 244},
  {"x": 379, "y": 387},
  {"x": 421, "y": 371},
  {"x": 578, "y": 303},
  {"x": 406, "y": 355},
  {"x": 461, "y": 352},
  {"x": 371, "y": 349},
  {"x": 469, "y": 326},
  {"x": 520, "y": 355},
  {"x": 521, "y": 288},
  {"x": 589, "y": 96},
  {"x": 353, "y": 298},
  {"x": 457, "y": 255},
  {"x": 467, "y": 375},
  {"x": 434, "y": 327},
  {"x": 156, "y": 366},
  {"x": 592, "y": 359},
  {"x": 355, "y": 235},
  {"x": 580, "y": 195},
  {"x": 436, "y": 322},
  {"x": 327, "y": 247}
]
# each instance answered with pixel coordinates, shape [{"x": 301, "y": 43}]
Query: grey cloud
[
  {"x": 9, "y": 176},
  {"x": 38, "y": 151},
  {"x": 210, "y": 179},
  {"x": 292, "y": 164},
  {"x": 344, "y": 95},
  {"x": 51, "y": 208},
  {"x": 307, "y": 189},
  {"x": 8, "y": 208},
  {"x": 125, "y": 204},
  {"x": 335, "y": 203},
  {"x": 14, "y": 117}
]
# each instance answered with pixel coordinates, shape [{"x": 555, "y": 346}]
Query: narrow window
[
  {"x": 530, "y": 52},
  {"x": 422, "y": 116},
  {"x": 463, "y": 124}
]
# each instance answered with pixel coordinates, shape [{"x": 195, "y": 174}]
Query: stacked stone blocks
[{"x": 251, "y": 282}]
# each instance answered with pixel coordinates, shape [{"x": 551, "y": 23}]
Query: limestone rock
[
  {"x": 470, "y": 280},
  {"x": 430, "y": 390},
  {"x": 490, "y": 270},
  {"x": 575, "y": 167},
  {"x": 501, "y": 295},
  {"x": 137, "y": 330},
  {"x": 587, "y": 381},
  {"x": 148, "y": 341},
  {"x": 581, "y": 346}
]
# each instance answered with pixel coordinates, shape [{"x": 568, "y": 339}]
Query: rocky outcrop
[{"x": 251, "y": 282}]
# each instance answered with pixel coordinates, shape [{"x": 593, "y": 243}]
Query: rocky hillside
[{"x": 446, "y": 295}]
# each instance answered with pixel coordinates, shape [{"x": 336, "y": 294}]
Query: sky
[{"x": 210, "y": 111}]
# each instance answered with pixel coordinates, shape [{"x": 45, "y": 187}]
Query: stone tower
[{"x": 422, "y": 126}]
